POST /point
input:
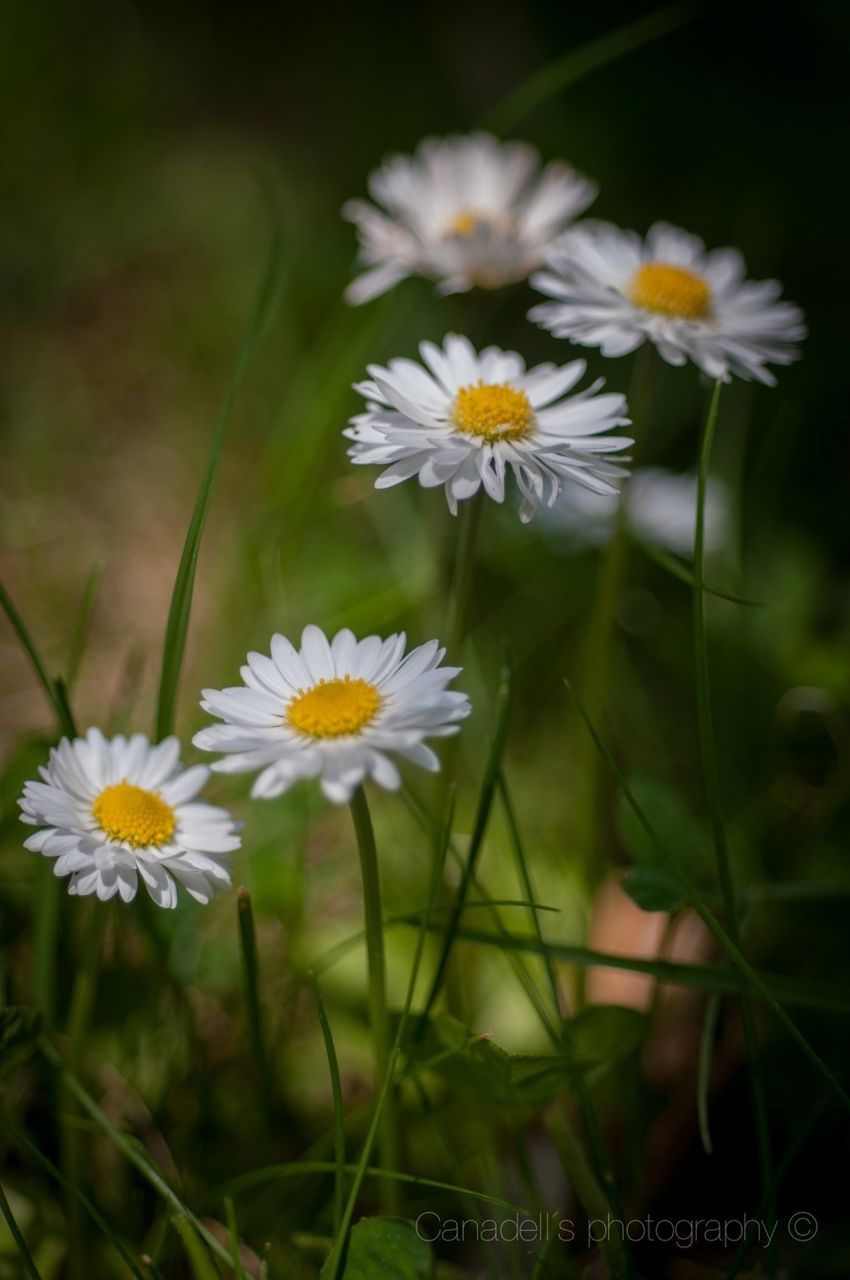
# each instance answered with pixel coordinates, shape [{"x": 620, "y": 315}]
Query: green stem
[
  {"x": 600, "y": 635},
  {"x": 379, "y": 1022},
  {"x": 82, "y": 1001},
  {"x": 464, "y": 573},
  {"x": 712, "y": 788},
  {"x": 587, "y": 1190},
  {"x": 15, "y": 1232}
]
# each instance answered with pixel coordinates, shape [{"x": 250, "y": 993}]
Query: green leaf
[
  {"x": 19, "y": 1030},
  {"x": 386, "y": 1249},
  {"x": 679, "y": 829},
  {"x": 654, "y": 889},
  {"x": 177, "y": 626},
  {"x": 470, "y": 1061},
  {"x": 603, "y": 1035}
]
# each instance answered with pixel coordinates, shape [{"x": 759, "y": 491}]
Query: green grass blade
[
  {"x": 578, "y": 63},
  {"x": 199, "y": 1260},
  {"x": 678, "y": 569},
  {"x": 21, "y": 1140},
  {"x": 339, "y": 1114},
  {"x": 129, "y": 1149},
  {"x": 706, "y": 1050},
  {"x": 251, "y": 973},
  {"x": 181, "y": 600},
  {"x": 26, "y": 1257},
  {"x": 59, "y": 703},
  {"x": 706, "y": 915},
  {"x": 81, "y": 630},
  {"x": 482, "y": 817},
  {"x": 708, "y": 753},
  {"x": 233, "y": 1233},
  {"x": 441, "y": 844}
]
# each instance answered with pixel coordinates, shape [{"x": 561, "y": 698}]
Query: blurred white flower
[
  {"x": 462, "y": 419},
  {"x": 333, "y": 710},
  {"x": 467, "y": 212},
  {"x": 660, "y": 510},
  {"x": 116, "y": 810},
  {"x": 614, "y": 291}
]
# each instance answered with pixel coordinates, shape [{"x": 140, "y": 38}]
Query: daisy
[
  {"x": 614, "y": 291},
  {"x": 462, "y": 419},
  {"x": 466, "y": 212},
  {"x": 333, "y": 710},
  {"x": 116, "y": 810}
]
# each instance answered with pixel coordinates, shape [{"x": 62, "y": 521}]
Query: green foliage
[
  {"x": 654, "y": 889},
  {"x": 386, "y": 1249}
]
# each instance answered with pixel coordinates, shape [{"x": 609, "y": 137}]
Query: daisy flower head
[
  {"x": 613, "y": 290},
  {"x": 463, "y": 419},
  {"x": 466, "y": 212},
  {"x": 333, "y": 710},
  {"x": 114, "y": 811}
]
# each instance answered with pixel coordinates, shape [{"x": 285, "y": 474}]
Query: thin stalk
[
  {"x": 82, "y": 1001},
  {"x": 15, "y": 1232},
  {"x": 464, "y": 574},
  {"x": 708, "y": 753},
  {"x": 251, "y": 970},
  {"x": 335, "y": 1260},
  {"x": 600, "y": 635},
  {"x": 339, "y": 1113},
  {"x": 376, "y": 961},
  {"x": 587, "y": 1189}
]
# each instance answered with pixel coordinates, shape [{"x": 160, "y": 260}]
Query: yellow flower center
[
  {"x": 334, "y": 708},
  {"x": 671, "y": 291},
  {"x": 134, "y": 815},
  {"x": 465, "y": 224},
  {"x": 493, "y": 411}
]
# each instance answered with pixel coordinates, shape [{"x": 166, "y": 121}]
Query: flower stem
[
  {"x": 82, "y": 1001},
  {"x": 378, "y": 1020},
  {"x": 597, "y": 660},
  {"x": 712, "y": 788},
  {"x": 464, "y": 574}
]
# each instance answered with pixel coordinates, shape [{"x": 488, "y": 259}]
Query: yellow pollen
[
  {"x": 465, "y": 224},
  {"x": 134, "y": 815},
  {"x": 493, "y": 411},
  {"x": 671, "y": 291},
  {"x": 334, "y": 708}
]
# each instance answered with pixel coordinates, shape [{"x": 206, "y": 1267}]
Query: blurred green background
[{"x": 138, "y": 140}]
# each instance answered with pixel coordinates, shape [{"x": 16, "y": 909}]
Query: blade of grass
[
  {"x": 700, "y": 977},
  {"x": 296, "y": 1168},
  {"x": 199, "y": 1260},
  {"x": 678, "y": 569},
  {"x": 26, "y": 1257},
  {"x": 59, "y": 704},
  {"x": 233, "y": 1233},
  {"x": 250, "y": 970},
  {"x": 706, "y": 915},
  {"x": 708, "y": 752},
  {"x": 706, "y": 1048},
  {"x": 482, "y": 817},
  {"x": 81, "y": 630},
  {"x": 128, "y": 1148},
  {"x": 573, "y": 66},
  {"x": 441, "y": 844},
  {"x": 181, "y": 600},
  {"x": 339, "y": 1115},
  {"x": 21, "y": 1140}
]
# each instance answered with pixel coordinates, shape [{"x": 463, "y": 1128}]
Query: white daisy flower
[
  {"x": 466, "y": 212},
  {"x": 467, "y": 418},
  {"x": 614, "y": 291},
  {"x": 333, "y": 710},
  {"x": 116, "y": 810},
  {"x": 660, "y": 510}
]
